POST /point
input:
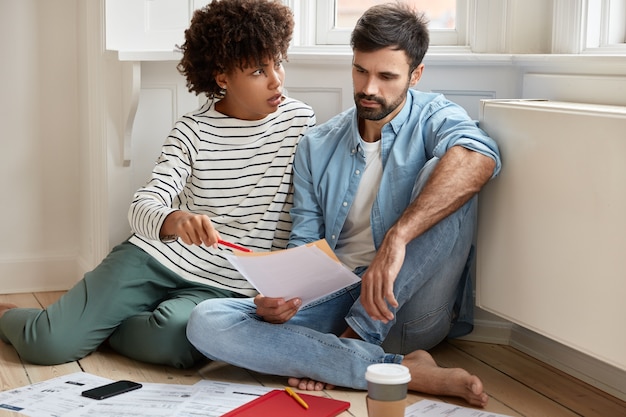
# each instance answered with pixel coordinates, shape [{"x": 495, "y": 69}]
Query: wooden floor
[{"x": 517, "y": 384}]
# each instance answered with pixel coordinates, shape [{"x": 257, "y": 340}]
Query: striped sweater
[{"x": 235, "y": 171}]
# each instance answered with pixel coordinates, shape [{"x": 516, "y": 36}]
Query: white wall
[{"x": 39, "y": 163}]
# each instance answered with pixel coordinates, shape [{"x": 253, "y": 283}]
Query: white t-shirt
[{"x": 355, "y": 246}]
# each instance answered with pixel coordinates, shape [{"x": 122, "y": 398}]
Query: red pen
[{"x": 232, "y": 245}]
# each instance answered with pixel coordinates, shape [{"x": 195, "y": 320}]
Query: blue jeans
[{"x": 428, "y": 290}]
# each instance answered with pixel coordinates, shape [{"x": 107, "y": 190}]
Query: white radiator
[{"x": 552, "y": 226}]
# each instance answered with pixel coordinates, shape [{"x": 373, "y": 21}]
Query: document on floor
[
  {"x": 308, "y": 272},
  {"x": 437, "y": 408},
  {"x": 61, "y": 397}
]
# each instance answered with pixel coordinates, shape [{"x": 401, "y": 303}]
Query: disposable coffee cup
[{"x": 387, "y": 385}]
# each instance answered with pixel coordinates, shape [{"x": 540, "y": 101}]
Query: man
[
  {"x": 391, "y": 185},
  {"x": 224, "y": 172}
]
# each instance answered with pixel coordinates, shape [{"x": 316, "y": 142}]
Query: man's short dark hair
[{"x": 394, "y": 25}]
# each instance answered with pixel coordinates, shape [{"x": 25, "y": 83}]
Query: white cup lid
[{"x": 388, "y": 373}]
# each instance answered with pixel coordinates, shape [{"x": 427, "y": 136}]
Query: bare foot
[
  {"x": 307, "y": 384},
  {"x": 4, "y": 307},
  {"x": 429, "y": 378}
]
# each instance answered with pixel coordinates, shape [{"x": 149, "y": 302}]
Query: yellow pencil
[{"x": 296, "y": 397}]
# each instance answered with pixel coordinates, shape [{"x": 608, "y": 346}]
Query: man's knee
[
  {"x": 210, "y": 324},
  {"x": 204, "y": 321}
]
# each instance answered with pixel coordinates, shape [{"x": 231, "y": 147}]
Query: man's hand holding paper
[
  {"x": 276, "y": 310},
  {"x": 292, "y": 278}
]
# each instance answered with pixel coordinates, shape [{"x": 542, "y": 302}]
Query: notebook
[{"x": 278, "y": 403}]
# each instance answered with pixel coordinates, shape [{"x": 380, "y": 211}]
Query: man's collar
[{"x": 398, "y": 121}]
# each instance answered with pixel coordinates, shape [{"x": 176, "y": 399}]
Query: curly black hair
[{"x": 229, "y": 34}]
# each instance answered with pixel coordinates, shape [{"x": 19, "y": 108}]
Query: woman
[{"x": 224, "y": 173}]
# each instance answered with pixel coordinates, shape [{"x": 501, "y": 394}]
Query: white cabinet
[
  {"x": 552, "y": 226},
  {"x": 148, "y": 29}
]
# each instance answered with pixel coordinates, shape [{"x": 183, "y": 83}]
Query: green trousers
[{"x": 130, "y": 299}]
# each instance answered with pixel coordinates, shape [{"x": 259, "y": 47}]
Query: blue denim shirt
[{"x": 329, "y": 162}]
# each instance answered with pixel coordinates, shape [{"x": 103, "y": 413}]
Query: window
[
  {"x": 336, "y": 18},
  {"x": 480, "y": 26},
  {"x": 440, "y": 13},
  {"x": 606, "y": 24}
]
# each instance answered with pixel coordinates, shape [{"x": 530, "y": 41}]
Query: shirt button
[
  {"x": 345, "y": 204},
  {"x": 357, "y": 172},
  {"x": 333, "y": 237}
]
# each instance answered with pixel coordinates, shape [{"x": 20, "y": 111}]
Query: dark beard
[{"x": 376, "y": 114}]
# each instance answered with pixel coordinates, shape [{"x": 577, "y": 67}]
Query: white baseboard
[
  {"x": 601, "y": 375},
  {"x": 53, "y": 273},
  {"x": 490, "y": 331},
  {"x": 594, "y": 372}
]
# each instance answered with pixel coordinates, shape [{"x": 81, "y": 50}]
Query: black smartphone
[{"x": 110, "y": 390}]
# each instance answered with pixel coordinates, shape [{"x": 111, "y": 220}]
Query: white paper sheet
[
  {"x": 436, "y": 408},
  {"x": 61, "y": 397},
  {"x": 51, "y": 398},
  {"x": 306, "y": 272}
]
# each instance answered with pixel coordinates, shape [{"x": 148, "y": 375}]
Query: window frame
[
  {"x": 327, "y": 34},
  {"x": 612, "y": 24},
  {"x": 589, "y": 27},
  {"x": 483, "y": 26}
]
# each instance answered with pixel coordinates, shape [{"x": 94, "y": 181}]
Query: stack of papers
[
  {"x": 308, "y": 272},
  {"x": 61, "y": 397}
]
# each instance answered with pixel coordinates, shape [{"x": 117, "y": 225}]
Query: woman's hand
[{"x": 193, "y": 229}]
